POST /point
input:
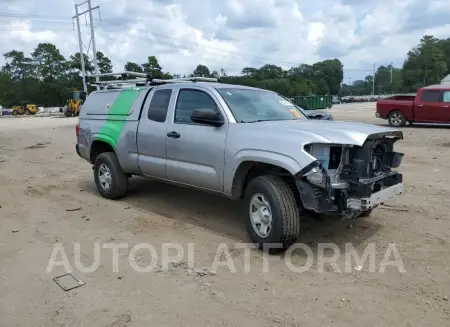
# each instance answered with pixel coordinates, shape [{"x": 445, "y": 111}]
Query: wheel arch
[
  {"x": 100, "y": 145},
  {"x": 405, "y": 119},
  {"x": 394, "y": 110},
  {"x": 249, "y": 169}
]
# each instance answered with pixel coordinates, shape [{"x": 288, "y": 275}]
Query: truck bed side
[
  {"x": 112, "y": 118},
  {"x": 402, "y": 103}
]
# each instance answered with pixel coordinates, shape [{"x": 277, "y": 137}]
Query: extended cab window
[
  {"x": 159, "y": 104},
  {"x": 188, "y": 101},
  {"x": 431, "y": 96}
]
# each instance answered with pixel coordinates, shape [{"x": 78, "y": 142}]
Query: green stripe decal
[{"x": 113, "y": 127}]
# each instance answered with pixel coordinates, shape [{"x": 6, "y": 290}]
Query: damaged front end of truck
[{"x": 351, "y": 179}]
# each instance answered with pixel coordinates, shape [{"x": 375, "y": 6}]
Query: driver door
[{"x": 195, "y": 152}]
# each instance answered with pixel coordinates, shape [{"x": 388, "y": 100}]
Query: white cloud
[{"x": 232, "y": 33}]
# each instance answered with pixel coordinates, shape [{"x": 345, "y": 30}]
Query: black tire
[
  {"x": 397, "y": 119},
  {"x": 284, "y": 210},
  {"x": 119, "y": 180}
]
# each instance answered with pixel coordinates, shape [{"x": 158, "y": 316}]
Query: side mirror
[{"x": 208, "y": 117}]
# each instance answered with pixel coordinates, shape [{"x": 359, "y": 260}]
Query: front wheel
[
  {"x": 397, "y": 119},
  {"x": 272, "y": 214},
  {"x": 366, "y": 213},
  {"x": 111, "y": 180}
]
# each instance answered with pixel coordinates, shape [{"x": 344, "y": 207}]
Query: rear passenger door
[
  {"x": 446, "y": 105},
  {"x": 151, "y": 136},
  {"x": 195, "y": 152},
  {"x": 429, "y": 107}
]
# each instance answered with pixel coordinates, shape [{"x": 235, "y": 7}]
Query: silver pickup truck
[{"x": 244, "y": 143}]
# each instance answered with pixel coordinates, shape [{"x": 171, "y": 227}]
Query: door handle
[
  {"x": 444, "y": 106},
  {"x": 420, "y": 105},
  {"x": 173, "y": 135}
]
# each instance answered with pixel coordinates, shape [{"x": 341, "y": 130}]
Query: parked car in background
[
  {"x": 431, "y": 105},
  {"x": 319, "y": 115},
  {"x": 336, "y": 99}
]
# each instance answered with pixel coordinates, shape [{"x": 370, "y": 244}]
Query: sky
[{"x": 231, "y": 34}]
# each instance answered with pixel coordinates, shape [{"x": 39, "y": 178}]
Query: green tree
[
  {"x": 74, "y": 63},
  {"x": 331, "y": 72},
  {"x": 133, "y": 67},
  {"x": 8, "y": 90},
  {"x": 270, "y": 72},
  {"x": 250, "y": 72},
  {"x": 425, "y": 64},
  {"x": 18, "y": 65},
  {"x": 51, "y": 63},
  {"x": 445, "y": 45},
  {"x": 52, "y": 70},
  {"x": 153, "y": 67},
  {"x": 104, "y": 63},
  {"x": 201, "y": 71}
]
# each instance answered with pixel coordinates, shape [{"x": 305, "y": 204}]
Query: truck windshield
[{"x": 249, "y": 106}]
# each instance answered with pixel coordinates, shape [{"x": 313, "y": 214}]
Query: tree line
[
  {"x": 426, "y": 64},
  {"x": 47, "y": 78}
]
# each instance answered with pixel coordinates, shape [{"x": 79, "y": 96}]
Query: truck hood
[{"x": 338, "y": 132}]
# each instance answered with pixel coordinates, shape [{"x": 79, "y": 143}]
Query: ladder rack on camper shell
[{"x": 142, "y": 80}]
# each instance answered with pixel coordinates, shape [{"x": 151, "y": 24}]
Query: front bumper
[
  {"x": 367, "y": 203},
  {"x": 344, "y": 199}
]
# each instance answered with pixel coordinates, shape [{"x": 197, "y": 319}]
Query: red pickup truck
[{"x": 430, "y": 106}]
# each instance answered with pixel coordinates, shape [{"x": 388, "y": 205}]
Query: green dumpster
[{"x": 314, "y": 102}]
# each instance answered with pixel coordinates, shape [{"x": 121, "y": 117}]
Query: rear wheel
[
  {"x": 397, "y": 119},
  {"x": 272, "y": 214},
  {"x": 111, "y": 180},
  {"x": 15, "y": 112}
]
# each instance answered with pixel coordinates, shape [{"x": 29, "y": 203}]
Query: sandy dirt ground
[{"x": 48, "y": 197}]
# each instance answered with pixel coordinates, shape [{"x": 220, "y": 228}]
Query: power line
[
  {"x": 33, "y": 16},
  {"x": 156, "y": 37},
  {"x": 235, "y": 52},
  {"x": 92, "y": 38},
  {"x": 229, "y": 53}
]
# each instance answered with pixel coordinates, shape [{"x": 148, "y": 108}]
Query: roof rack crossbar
[
  {"x": 118, "y": 81},
  {"x": 145, "y": 79},
  {"x": 122, "y": 74}
]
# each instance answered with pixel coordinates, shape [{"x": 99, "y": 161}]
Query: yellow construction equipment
[
  {"x": 25, "y": 108},
  {"x": 74, "y": 104}
]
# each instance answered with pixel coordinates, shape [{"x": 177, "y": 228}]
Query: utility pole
[
  {"x": 92, "y": 39},
  {"x": 391, "y": 72},
  {"x": 80, "y": 42},
  {"x": 94, "y": 50},
  {"x": 349, "y": 80},
  {"x": 373, "y": 80}
]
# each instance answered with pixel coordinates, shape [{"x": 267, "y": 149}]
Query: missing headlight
[
  {"x": 328, "y": 155},
  {"x": 335, "y": 157},
  {"x": 316, "y": 174}
]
